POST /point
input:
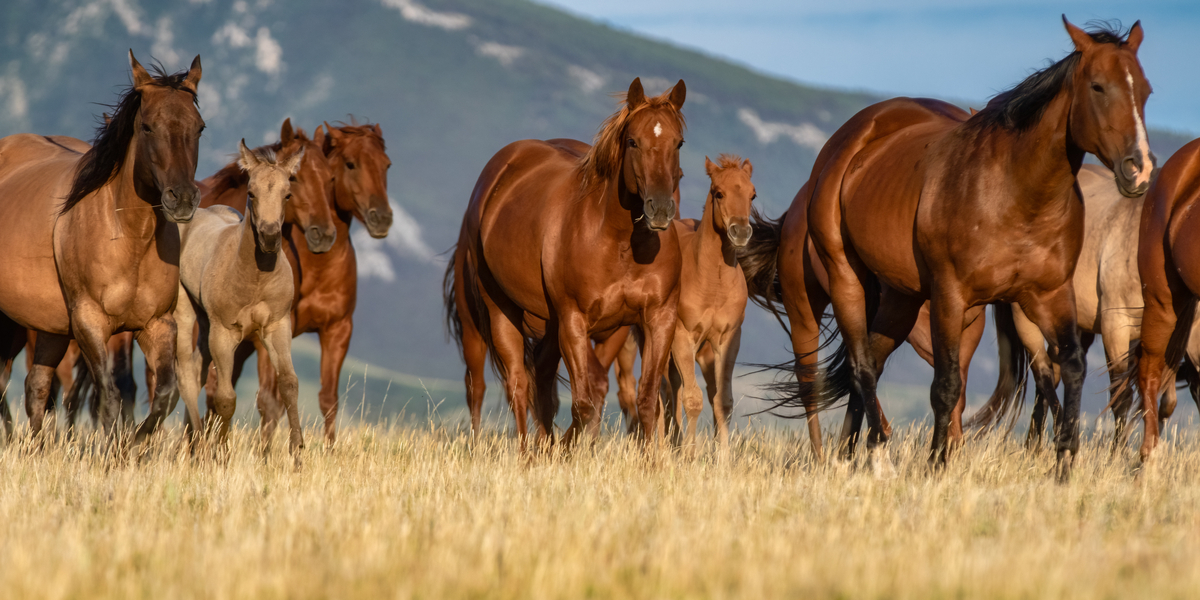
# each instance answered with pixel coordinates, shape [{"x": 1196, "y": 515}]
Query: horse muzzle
[
  {"x": 319, "y": 241},
  {"x": 270, "y": 238},
  {"x": 378, "y": 222},
  {"x": 658, "y": 214},
  {"x": 1133, "y": 175},
  {"x": 739, "y": 234},
  {"x": 179, "y": 203}
]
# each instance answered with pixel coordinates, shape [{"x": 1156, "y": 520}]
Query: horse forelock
[
  {"x": 603, "y": 160},
  {"x": 363, "y": 130},
  {"x": 103, "y": 162},
  {"x": 730, "y": 161},
  {"x": 1022, "y": 106}
]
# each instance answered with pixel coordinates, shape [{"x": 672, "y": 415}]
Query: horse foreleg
[
  {"x": 335, "y": 342},
  {"x": 278, "y": 345},
  {"x": 577, "y": 353},
  {"x": 719, "y": 374},
  {"x": 627, "y": 382},
  {"x": 972, "y": 334},
  {"x": 223, "y": 402},
  {"x": 91, "y": 329},
  {"x": 545, "y": 373},
  {"x": 658, "y": 331},
  {"x": 188, "y": 362},
  {"x": 947, "y": 311},
  {"x": 270, "y": 401},
  {"x": 685, "y": 392},
  {"x": 1054, "y": 314},
  {"x": 157, "y": 340}
]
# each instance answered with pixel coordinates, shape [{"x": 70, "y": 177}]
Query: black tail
[
  {"x": 1175, "y": 354},
  {"x": 454, "y": 328},
  {"x": 811, "y": 388},
  {"x": 760, "y": 262},
  {"x": 1004, "y": 407}
]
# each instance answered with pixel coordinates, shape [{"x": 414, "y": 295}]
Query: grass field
[{"x": 425, "y": 512}]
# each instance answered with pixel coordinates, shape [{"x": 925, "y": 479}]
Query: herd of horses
[
  {"x": 116, "y": 241},
  {"x": 915, "y": 217}
]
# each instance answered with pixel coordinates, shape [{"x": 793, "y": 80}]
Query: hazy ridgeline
[{"x": 450, "y": 82}]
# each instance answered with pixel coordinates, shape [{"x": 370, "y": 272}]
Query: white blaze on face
[
  {"x": 1143, "y": 142},
  {"x": 657, "y": 129}
]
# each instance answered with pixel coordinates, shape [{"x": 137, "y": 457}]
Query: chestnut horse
[
  {"x": 781, "y": 267},
  {"x": 105, "y": 260},
  {"x": 566, "y": 243},
  {"x": 996, "y": 216},
  {"x": 326, "y": 284},
  {"x": 712, "y": 300},
  {"x": 1169, "y": 266}
]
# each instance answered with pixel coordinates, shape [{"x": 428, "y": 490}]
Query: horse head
[
  {"x": 730, "y": 196},
  {"x": 267, "y": 193}
]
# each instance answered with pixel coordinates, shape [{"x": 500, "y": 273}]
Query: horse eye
[
  {"x": 1097, "y": 88},
  {"x": 754, "y": 197},
  {"x": 145, "y": 128},
  {"x": 349, "y": 165},
  {"x": 287, "y": 197},
  {"x": 632, "y": 143},
  {"x": 202, "y": 128},
  {"x": 680, "y": 145},
  {"x": 292, "y": 179},
  {"x": 250, "y": 195},
  {"x": 718, "y": 195}
]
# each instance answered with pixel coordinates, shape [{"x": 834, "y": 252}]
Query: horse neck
[
  {"x": 134, "y": 203},
  {"x": 252, "y": 262},
  {"x": 1047, "y": 159},
  {"x": 712, "y": 253}
]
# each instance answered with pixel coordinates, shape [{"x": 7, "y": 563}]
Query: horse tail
[
  {"x": 810, "y": 387},
  {"x": 760, "y": 264},
  {"x": 454, "y": 327},
  {"x": 1009, "y": 395}
]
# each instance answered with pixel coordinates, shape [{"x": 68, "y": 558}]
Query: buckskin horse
[
  {"x": 105, "y": 259},
  {"x": 327, "y": 283},
  {"x": 564, "y": 242},
  {"x": 996, "y": 216}
]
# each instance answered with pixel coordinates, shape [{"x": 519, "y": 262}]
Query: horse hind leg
[
  {"x": 475, "y": 355},
  {"x": 627, "y": 382},
  {"x": 271, "y": 401},
  {"x": 278, "y": 347},
  {"x": 48, "y": 353},
  {"x": 335, "y": 342}
]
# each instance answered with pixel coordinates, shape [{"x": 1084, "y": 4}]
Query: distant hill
[{"x": 450, "y": 82}]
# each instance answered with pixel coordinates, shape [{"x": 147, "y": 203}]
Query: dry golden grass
[{"x": 426, "y": 512}]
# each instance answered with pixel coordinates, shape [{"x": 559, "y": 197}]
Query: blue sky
[{"x": 965, "y": 49}]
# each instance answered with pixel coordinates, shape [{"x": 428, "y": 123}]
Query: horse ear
[
  {"x": 140, "y": 76},
  {"x": 286, "y": 133},
  {"x": 678, "y": 94},
  {"x": 378, "y": 130},
  {"x": 1135, "y": 37},
  {"x": 319, "y": 136},
  {"x": 292, "y": 164},
  {"x": 333, "y": 134},
  {"x": 246, "y": 159},
  {"x": 193, "y": 77},
  {"x": 973, "y": 111},
  {"x": 709, "y": 167},
  {"x": 636, "y": 96},
  {"x": 1083, "y": 41},
  {"x": 747, "y": 167}
]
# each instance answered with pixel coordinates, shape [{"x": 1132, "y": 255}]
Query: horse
[
  {"x": 1170, "y": 274},
  {"x": 996, "y": 217},
  {"x": 105, "y": 259},
  {"x": 1108, "y": 302},
  {"x": 327, "y": 284},
  {"x": 565, "y": 242},
  {"x": 310, "y": 228},
  {"x": 781, "y": 267},
  {"x": 712, "y": 301},
  {"x": 235, "y": 281}
]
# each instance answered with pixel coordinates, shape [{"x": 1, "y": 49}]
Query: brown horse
[
  {"x": 996, "y": 216},
  {"x": 105, "y": 260},
  {"x": 326, "y": 284},
  {"x": 712, "y": 300},
  {"x": 782, "y": 267},
  {"x": 565, "y": 243},
  {"x": 1169, "y": 265}
]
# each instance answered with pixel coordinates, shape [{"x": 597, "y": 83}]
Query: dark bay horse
[
  {"x": 996, "y": 216},
  {"x": 326, "y": 284},
  {"x": 564, "y": 242},
  {"x": 105, "y": 259},
  {"x": 1168, "y": 262},
  {"x": 782, "y": 267}
]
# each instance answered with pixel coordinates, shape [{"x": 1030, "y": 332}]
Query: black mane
[
  {"x": 1022, "y": 106},
  {"x": 103, "y": 162}
]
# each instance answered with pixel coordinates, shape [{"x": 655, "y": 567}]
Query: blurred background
[{"x": 450, "y": 82}]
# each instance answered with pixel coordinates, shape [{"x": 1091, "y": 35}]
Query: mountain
[{"x": 450, "y": 82}]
